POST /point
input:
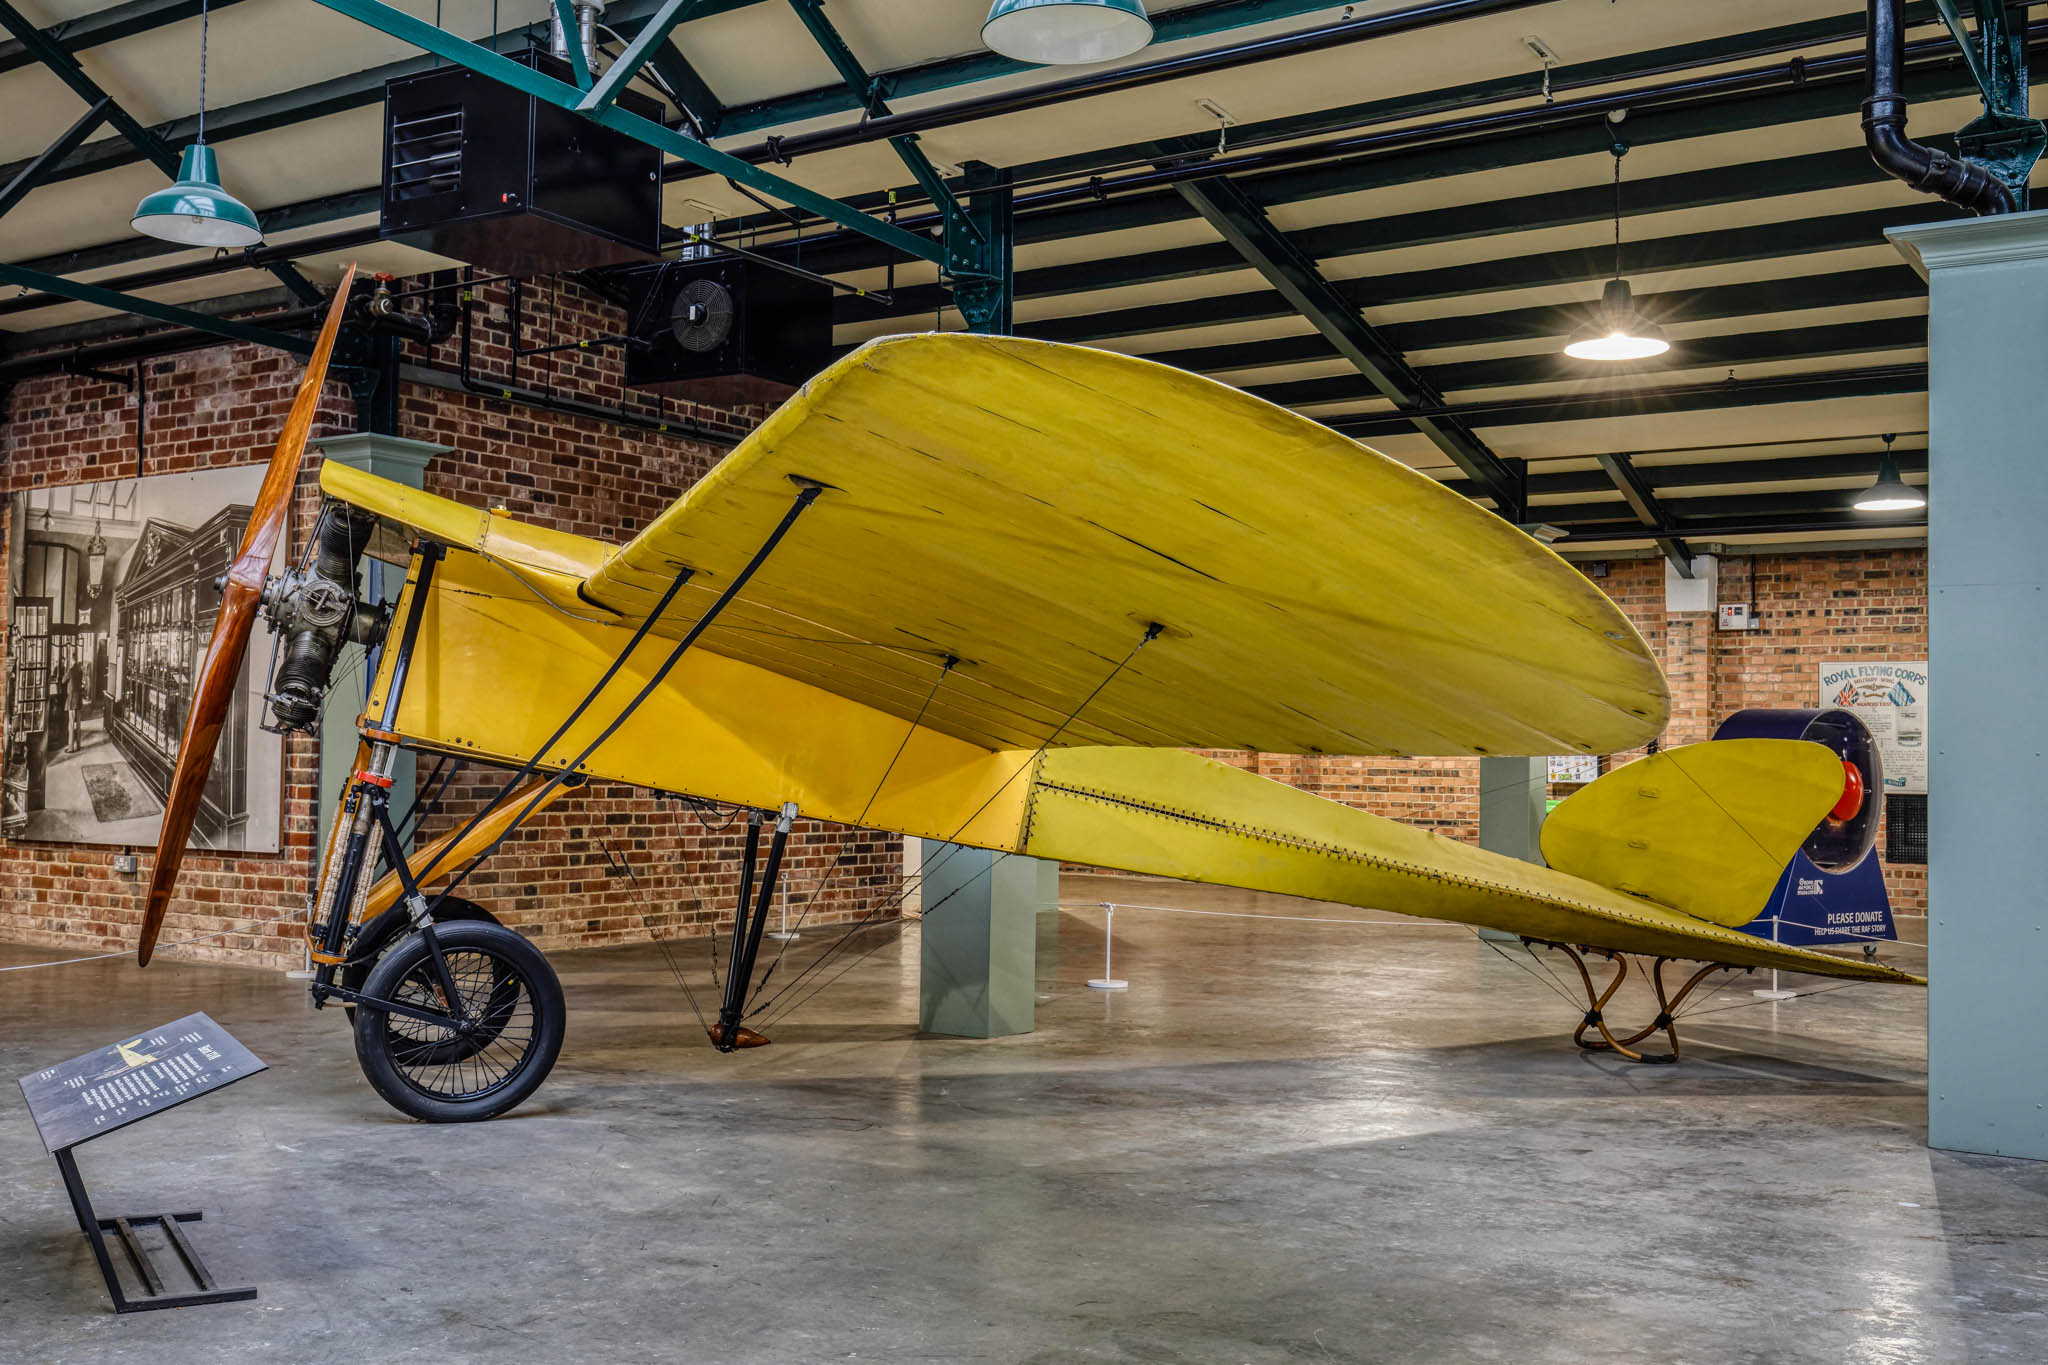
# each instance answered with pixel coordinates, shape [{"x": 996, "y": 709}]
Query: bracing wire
[{"x": 894, "y": 903}]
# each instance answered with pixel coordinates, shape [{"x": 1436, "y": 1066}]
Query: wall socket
[{"x": 126, "y": 864}]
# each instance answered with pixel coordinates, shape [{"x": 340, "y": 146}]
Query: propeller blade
[{"x": 220, "y": 668}]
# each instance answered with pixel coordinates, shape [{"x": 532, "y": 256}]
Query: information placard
[
  {"x": 1891, "y": 699},
  {"x": 143, "y": 1074}
]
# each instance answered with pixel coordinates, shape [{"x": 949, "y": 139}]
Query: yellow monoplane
[{"x": 992, "y": 592}]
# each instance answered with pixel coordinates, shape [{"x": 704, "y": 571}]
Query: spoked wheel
[{"x": 511, "y": 1012}]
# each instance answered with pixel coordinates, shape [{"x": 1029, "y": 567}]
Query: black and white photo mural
[{"x": 111, "y": 600}]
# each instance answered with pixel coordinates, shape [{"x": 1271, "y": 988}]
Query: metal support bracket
[
  {"x": 1243, "y": 223},
  {"x": 1642, "y": 500},
  {"x": 984, "y": 270},
  {"x": 2003, "y": 139},
  {"x": 154, "y": 1294}
]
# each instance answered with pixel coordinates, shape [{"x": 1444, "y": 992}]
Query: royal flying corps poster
[
  {"x": 1890, "y": 698},
  {"x": 111, "y": 601}
]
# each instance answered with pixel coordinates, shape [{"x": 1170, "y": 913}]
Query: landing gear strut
[
  {"x": 727, "y": 1034},
  {"x": 1596, "y": 1003}
]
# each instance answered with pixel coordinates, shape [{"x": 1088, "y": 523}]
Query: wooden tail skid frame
[{"x": 1596, "y": 1002}]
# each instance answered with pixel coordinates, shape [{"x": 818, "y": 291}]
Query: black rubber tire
[
  {"x": 377, "y": 936},
  {"x": 507, "y": 1071}
]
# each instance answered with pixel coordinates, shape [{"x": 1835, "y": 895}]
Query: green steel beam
[
  {"x": 644, "y": 46},
  {"x": 398, "y": 24},
  {"x": 33, "y": 174},
  {"x": 572, "y": 43},
  {"x": 65, "y": 68},
  {"x": 1412, "y": 164},
  {"x": 108, "y": 26},
  {"x": 145, "y": 141},
  {"x": 1642, "y": 500},
  {"x": 150, "y": 308},
  {"x": 860, "y": 84},
  {"x": 699, "y": 103},
  {"x": 1189, "y": 21},
  {"x": 1245, "y": 226}
]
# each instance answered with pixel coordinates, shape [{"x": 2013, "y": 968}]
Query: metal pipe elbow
[{"x": 1928, "y": 169}]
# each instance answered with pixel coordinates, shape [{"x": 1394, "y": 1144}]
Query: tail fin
[{"x": 1706, "y": 829}]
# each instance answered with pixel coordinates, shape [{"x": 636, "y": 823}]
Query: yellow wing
[
  {"x": 1031, "y": 507},
  {"x": 1706, "y": 829}
]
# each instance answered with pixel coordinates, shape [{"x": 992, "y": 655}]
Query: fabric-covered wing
[{"x": 1031, "y": 508}]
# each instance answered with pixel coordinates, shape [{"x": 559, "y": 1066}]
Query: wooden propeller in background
[{"x": 219, "y": 671}]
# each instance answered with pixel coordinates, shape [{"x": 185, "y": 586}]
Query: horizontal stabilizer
[{"x": 1706, "y": 829}]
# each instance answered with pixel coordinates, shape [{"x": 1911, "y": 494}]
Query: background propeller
[{"x": 221, "y": 667}]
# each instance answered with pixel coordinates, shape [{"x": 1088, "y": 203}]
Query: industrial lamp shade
[
  {"x": 1620, "y": 332},
  {"x": 1890, "y": 493},
  {"x": 195, "y": 210},
  {"x": 1066, "y": 32}
]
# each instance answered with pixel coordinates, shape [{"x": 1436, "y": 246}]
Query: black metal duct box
[
  {"x": 483, "y": 173},
  {"x": 726, "y": 331}
]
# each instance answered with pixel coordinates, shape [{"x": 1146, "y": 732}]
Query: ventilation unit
[
  {"x": 477, "y": 171},
  {"x": 726, "y": 332}
]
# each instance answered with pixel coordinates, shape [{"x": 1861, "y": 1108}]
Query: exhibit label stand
[
  {"x": 1108, "y": 980},
  {"x": 92, "y": 1095}
]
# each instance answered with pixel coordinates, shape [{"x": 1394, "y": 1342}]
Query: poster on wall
[
  {"x": 1890, "y": 698},
  {"x": 110, "y": 605},
  {"x": 1574, "y": 767}
]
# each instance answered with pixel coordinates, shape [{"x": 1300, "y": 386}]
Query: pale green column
[
  {"x": 1987, "y": 727},
  {"x": 979, "y": 942},
  {"x": 1513, "y": 793},
  {"x": 401, "y": 461}
]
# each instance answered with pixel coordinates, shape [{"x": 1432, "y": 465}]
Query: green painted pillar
[
  {"x": 978, "y": 969},
  {"x": 401, "y": 461},
  {"x": 1987, "y": 614},
  {"x": 1512, "y": 798},
  {"x": 979, "y": 946}
]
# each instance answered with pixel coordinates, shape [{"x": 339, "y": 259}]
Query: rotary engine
[{"x": 315, "y": 610}]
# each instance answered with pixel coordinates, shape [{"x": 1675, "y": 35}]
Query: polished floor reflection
[{"x": 1285, "y": 1142}]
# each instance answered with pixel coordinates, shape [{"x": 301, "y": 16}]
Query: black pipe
[
  {"x": 1604, "y": 533},
  {"x": 547, "y": 402},
  {"x": 1927, "y": 169},
  {"x": 1124, "y": 78}
]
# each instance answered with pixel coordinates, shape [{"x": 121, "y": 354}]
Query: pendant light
[
  {"x": 195, "y": 210},
  {"x": 1890, "y": 493},
  {"x": 1066, "y": 32},
  {"x": 1619, "y": 332}
]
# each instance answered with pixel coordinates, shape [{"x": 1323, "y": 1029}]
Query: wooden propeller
[{"x": 219, "y": 670}]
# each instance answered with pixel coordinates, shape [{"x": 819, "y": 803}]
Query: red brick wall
[{"x": 562, "y": 881}]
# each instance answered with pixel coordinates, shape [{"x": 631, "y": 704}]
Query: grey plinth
[
  {"x": 401, "y": 461},
  {"x": 1987, "y": 929},
  {"x": 1512, "y": 795},
  {"x": 979, "y": 944}
]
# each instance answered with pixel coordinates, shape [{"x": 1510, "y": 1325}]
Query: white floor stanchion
[
  {"x": 782, "y": 929},
  {"x": 1774, "y": 993},
  {"x": 1107, "y": 981}
]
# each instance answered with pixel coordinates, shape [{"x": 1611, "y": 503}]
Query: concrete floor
[{"x": 1287, "y": 1142}]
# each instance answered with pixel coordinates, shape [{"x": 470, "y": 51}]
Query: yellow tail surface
[{"x": 1706, "y": 829}]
